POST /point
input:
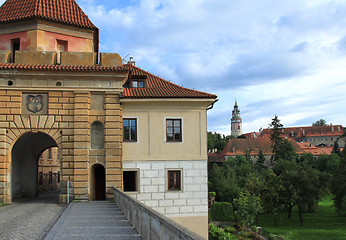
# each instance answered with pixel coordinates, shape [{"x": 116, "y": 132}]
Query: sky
[{"x": 285, "y": 58}]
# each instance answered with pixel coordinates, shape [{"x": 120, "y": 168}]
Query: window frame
[
  {"x": 136, "y": 129},
  {"x": 181, "y": 129},
  {"x": 172, "y": 170},
  {"x": 138, "y": 80}
]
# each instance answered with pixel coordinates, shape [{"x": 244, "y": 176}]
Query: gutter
[{"x": 212, "y": 105}]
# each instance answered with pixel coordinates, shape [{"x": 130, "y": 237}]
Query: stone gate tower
[
  {"x": 54, "y": 94},
  {"x": 236, "y": 121}
]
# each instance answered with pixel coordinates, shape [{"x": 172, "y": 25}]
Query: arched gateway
[{"x": 24, "y": 163}]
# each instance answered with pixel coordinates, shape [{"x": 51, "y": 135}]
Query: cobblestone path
[{"x": 29, "y": 218}]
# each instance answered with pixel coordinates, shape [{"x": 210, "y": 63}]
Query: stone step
[{"x": 93, "y": 220}]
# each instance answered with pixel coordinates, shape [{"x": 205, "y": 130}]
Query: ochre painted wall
[{"x": 151, "y": 120}]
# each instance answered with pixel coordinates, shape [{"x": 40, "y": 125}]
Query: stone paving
[
  {"x": 93, "y": 220},
  {"x": 29, "y": 218}
]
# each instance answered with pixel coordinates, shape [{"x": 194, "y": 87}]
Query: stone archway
[
  {"x": 24, "y": 163},
  {"x": 97, "y": 182}
]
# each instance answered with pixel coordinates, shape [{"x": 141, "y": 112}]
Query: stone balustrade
[{"x": 150, "y": 224}]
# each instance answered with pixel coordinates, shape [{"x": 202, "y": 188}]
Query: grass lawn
[{"x": 324, "y": 224}]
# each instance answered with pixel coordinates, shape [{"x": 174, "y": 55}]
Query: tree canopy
[{"x": 320, "y": 122}]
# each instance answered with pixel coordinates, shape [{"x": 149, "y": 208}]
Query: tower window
[
  {"x": 62, "y": 46},
  {"x": 15, "y": 46}
]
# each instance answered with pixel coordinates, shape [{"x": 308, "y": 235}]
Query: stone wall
[{"x": 68, "y": 123}]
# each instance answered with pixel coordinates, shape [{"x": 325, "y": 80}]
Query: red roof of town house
[
  {"x": 215, "y": 157},
  {"x": 240, "y": 146},
  {"x": 316, "y": 151},
  {"x": 312, "y": 131},
  {"x": 157, "y": 87},
  {"x": 64, "y": 11}
]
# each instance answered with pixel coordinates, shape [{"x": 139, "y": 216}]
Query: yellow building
[{"x": 111, "y": 124}]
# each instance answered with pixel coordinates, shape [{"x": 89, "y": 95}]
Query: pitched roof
[
  {"x": 157, "y": 87},
  {"x": 316, "y": 151},
  {"x": 46, "y": 67},
  {"x": 241, "y": 146},
  {"x": 64, "y": 11},
  {"x": 311, "y": 131}
]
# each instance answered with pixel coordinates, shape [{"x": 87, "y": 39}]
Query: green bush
[
  {"x": 216, "y": 233},
  {"x": 231, "y": 230},
  {"x": 222, "y": 211}
]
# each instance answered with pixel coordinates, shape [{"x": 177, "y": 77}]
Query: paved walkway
[
  {"x": 93, "y": 220},
  {"x": 29, "y": 218}
]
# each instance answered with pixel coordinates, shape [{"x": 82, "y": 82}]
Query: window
[
  {"x": 130, "y": 181},
  {"x": 97, "y": 135},
  {"x": 50, "y": 154},
  {"x": 130, "y": 129},
  {"x": 62, "y": 46},
  {"x": 138, "y": 83},
  {"x": 174, "y": 180},
  {"x": 173, "y": 130},
  {"x": 15, "y": 47}
]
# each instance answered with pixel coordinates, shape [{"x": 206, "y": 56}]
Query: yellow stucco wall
[{"x": 151, "y": 131}]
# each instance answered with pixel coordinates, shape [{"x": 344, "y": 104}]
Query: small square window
[
  {"x": 130, "y": 181},
  {"x": 173, "y": 130},
  {"x": 174, "y": 180},
  {"x": 138, "y": 83},
  {"x": 130, "y": 130}
]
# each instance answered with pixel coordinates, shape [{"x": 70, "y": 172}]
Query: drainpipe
[{"x": 68, "y": 192}]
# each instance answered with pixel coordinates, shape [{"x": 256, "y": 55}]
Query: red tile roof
[
  {"x": 241, "y": 146},
  {"x": 215, "y": 157},
  {"x": 65, "y": 11},
  {"x": 78, "y": 68},
  {"x": 311, "y": 131},
  {"x": 157, "y": 87},
  {"x": 316, "y": 151}
]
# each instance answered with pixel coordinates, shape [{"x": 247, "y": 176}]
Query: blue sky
[
  {"x": 283, "y": 57},
  {"x": 276, "y": 57}
]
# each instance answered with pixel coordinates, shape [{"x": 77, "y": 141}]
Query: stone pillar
[
  {"x": 66, "y": 123},
  {"x": 81, "y": 145},
  {"x": 113, "y": 142}
]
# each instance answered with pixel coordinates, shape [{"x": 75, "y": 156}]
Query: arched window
[{"x": 97, "y": 135}]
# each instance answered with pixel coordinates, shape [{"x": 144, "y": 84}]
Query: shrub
[
  {"x": 216, "y": 233},
  {"x": 222, "y": 211}
]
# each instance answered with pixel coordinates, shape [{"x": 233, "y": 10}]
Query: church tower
[{"x": 236, "y": 122}]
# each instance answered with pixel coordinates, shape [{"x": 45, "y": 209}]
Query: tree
[
  {"x": 247, "y": 206},
  {"x": 336, "y": 148},
  {"x": 260, "y": 160},
  {"x": 216, "y": 141},
  {"x": 275, "y": 137},
  {"x": 302, "y": 186},
  {"x": 320, "y": 122},
  {"x": 339, "y": 184}
]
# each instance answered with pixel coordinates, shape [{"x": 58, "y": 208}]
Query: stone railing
[{"x": 150, "y": 224}]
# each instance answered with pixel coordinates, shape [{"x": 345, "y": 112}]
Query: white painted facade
[{"x": 192, "y": 200}]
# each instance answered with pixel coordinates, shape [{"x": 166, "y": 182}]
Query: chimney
[{"x": 131, "y": 61}]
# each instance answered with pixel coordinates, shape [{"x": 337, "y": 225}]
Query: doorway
[{"x": 98, "y": 182}]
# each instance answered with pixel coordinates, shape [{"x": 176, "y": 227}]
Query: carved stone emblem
[{"x": 34, "y": 103}]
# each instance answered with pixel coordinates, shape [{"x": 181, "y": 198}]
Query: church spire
[{"x": 236, "y": 121}]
